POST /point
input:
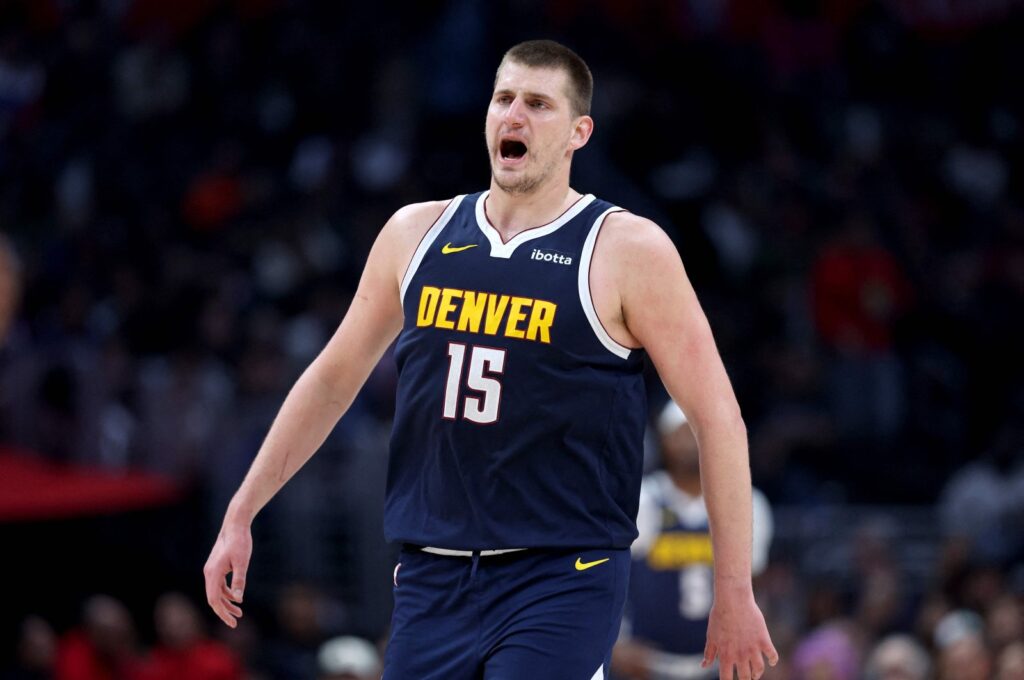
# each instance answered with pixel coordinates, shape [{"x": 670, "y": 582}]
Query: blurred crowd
[
  {"x": 105, "y": 646},
  {"x": 966, "y": 624},
  {"x": 188, "y": 191}
]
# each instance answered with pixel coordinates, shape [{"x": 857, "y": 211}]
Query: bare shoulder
[
  {"x": 633, "y": 257},
  {"x": 414, "y": 219},
  {"x": 630, "y": 239},
  {"x": 402, "y": 233}
]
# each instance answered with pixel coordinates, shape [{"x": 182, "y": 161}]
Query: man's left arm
[{"x": 661, "y": 311}]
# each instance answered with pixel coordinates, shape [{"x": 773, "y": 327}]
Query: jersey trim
[
  {"x": 586, "y": 300},
  {"x": 504, "y": 250},
  {"x": 427, "y": 241}
]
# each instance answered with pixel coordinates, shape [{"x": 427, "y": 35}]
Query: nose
[{"x": 515, "y": 114}]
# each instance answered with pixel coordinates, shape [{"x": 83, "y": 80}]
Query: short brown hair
[{"x": 550, "y": 54}]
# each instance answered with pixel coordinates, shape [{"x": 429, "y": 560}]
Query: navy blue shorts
[{"x": 528, "y": 615}]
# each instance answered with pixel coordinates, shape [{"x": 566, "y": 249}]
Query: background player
[
  {"x": 635, "y": 294},
  {"x": 671, "y": 585}
]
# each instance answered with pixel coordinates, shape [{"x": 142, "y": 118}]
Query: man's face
[{"x": 530, "y": 127}]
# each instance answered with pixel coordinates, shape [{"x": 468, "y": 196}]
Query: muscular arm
[
  {"x": 659, "y": 310},
  {"x": 318, "y": 399}
]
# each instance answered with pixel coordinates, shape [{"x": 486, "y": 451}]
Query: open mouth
[{"x": 511, "y": 149}]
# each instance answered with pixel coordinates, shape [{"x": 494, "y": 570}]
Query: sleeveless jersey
[
  {"x": 519, "y": 421},
  {"x": 671, "y": 584}
]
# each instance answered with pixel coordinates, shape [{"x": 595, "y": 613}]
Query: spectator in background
[
  {"x": 671, "y": 580},
  {"x": 983, "y": 502},
  {"x": 348, "y": 658},
  {"x": 1004, "y": 622},
  {"x": 37, "y": 649},
  {"x": 960, "y": 643},
  {"x": 859, "y": 293},
  {"x": 828, "y": 653},
  {"x": 103, "y": 647},
  {"x": 292, "y": 653},
  {"x": 182, "y": 399},
  {"x": 880, "y": 605},
  {"x": 183, "y": 650},
  {"x": 965, "y": 659},
  {"x": 1010, "y": 665},
  {"x": 245, "y": 643},
  {"x": 898, "y": 657},
  {"x": 881, "y": 601},
  {"x": 795, "y": 434}
]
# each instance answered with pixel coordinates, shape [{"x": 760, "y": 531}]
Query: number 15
[{"x": 482, "y": 361}]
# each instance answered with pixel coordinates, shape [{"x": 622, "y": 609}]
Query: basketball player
[
  {"x": 671, "y": 585},
  {"x": 523, "y": 315}
]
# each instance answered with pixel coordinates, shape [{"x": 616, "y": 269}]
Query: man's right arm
[{"x": 318, "y": 399}]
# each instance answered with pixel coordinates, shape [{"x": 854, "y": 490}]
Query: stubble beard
[{"x": 527, "y": 183}]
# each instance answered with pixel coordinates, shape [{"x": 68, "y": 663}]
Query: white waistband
[{"x": 468, "y": 553}]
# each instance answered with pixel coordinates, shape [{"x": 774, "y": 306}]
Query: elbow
[
  {"x": 725, "y": 421},
  {"x": 732, "y": 422},
  {"x": 322, "y": 380},
  {"x": 736, "y": 422},
  {"x": 741, "y": 429}
]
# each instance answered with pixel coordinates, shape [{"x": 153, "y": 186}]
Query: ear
[{"x": 582, "y": 129}]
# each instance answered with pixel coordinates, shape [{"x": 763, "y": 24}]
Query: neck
[
  {"x": 512, "y": 213},
  {"x": 686, "y": 481}
]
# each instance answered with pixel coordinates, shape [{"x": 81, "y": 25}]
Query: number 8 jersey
[{"x": 519, "y": 421}]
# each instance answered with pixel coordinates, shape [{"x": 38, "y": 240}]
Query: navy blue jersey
[
  {"x": 671, "y": 585},
  {"x": 519, "y": 421}
]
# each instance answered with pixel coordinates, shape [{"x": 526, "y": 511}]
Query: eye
[
  {"x": 537, "y": 104},
  {"x": 503, "y": 99}
]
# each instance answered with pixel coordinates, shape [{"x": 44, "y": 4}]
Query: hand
[
  {"x": 738, "y": 636},
  {"x": 230, "y": 555}
]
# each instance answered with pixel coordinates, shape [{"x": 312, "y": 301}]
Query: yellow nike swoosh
[
  {"x": 581, "y": 565},
  {"x": 448, "y": 249}
]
